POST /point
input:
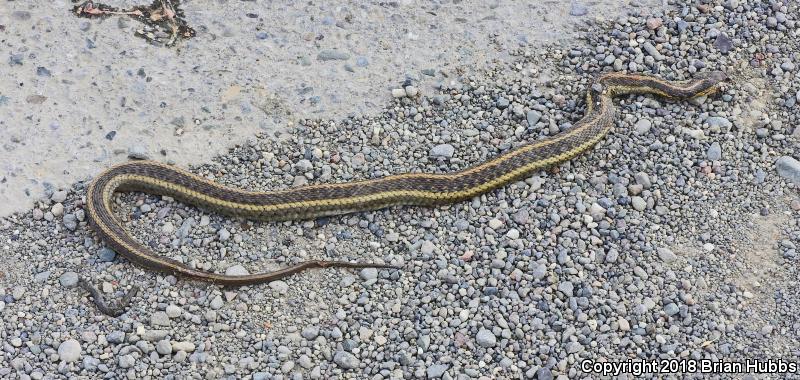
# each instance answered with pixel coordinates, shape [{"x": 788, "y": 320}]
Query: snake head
[
  {"x": 712, "y": 81},
  {"x": 712, "y": 76}
]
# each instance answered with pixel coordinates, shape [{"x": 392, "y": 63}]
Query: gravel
[{"x": 675, "y": 237}]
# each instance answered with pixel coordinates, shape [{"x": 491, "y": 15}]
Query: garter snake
[{"x": 313, "y": 201}]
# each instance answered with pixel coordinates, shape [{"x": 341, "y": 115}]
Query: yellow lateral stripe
[
  {"x": 351, "y": 201},
  {"x": 482, "y": 166}
]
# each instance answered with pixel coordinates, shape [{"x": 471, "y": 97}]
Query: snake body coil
[{"x": 332, "y": 199}]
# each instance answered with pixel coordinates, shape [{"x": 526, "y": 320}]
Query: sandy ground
[{"x": 78, "y": 95}]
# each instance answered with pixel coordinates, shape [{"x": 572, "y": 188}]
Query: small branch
[{"x": 116, "y": 308}]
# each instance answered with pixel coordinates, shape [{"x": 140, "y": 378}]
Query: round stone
[
  {"x": 346, "y": 360},
  {"x": 443, "y": 150},
  {"x": 68, "y": 279},
  {"x": 106, "y": 255},
  {"x": 236, "y": 270},
  {"x": 164, "y": 347},
  {"x": 485, "y": 338},
  {"x": 126, "y": 361},
  {"x": 69, "y": 350}
]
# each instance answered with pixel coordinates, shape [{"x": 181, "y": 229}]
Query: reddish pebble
[
  {"x": 467, "y": 256},
  {"x": 654, "y": 23}
]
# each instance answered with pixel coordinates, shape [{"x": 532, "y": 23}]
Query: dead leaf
[
  {"x": 168, "y": 12},
  {"x": 89, "y": 9}
]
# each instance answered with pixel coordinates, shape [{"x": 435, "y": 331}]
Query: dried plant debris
[{"x": 164, "y": 21}]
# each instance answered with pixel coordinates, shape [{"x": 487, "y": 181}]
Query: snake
[{"x": 412, "y": 189}]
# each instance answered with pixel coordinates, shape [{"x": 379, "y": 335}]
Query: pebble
[
  {"x": 346, "y": 360},
  {"x": 236, "y": 270},
  {"x": 639, "y": 204},
  {"x": 138, "y": 152},
  {"x": 305, "y": 362},
  {"x": 597, "y": 212},
  {"x": 68, "y": 279},
  {"x": 116, "y": 337},
  {"x": 69, "y": 350},
  {"x": 173, "y": 311},
  {"x": 41, "y": 277},
  {"x": 368, "y": 274},
  {"x": 671, "y": 309},
  {"x": 566, "y": 287},
  {"x": 399, "y": 93},
  {"x": 310, "y": 332},
  {"x": 90, "y": 363},
  {"x": 723, "y": 43},
  {"x": 21, "y": 15},
  {"x": 164, "y": 347},
  {"x": 57, "y": 210},
  {"x": 544, "y": 374},
  {"x": 788, "y": 168},
  {"x": 533, "y": 117},
  {"x": 495, "y": 224},
  {"x": 652, "y": 51},
  {"x": 436, "y": 371},
  {"x": 642, "y": 127},
  {"x": 539, "y": 271},
  {"x": 443, "y": 150},
  {"x": 126, "y": 361},
  {"x": 577, "y": 9},
  {"x": 106, "y": 255},
  {"x": 279, "y": 286},
  {"x": 623, "y": 324},
  {"x": 59, "y": 196},
  {"x": 148, "y": 335},
  {"x": 160, "y": 318},
  {"x": 485, "y": 338},
  {"x": 714, "y": 152},
  {"x": 70, "y": 222},
  {"x": 167, "y": 228},
  {"x": 332, "y": 55},
  {"x": 666, "y": 255},
  {"x": 216, "y": 303},
  {"x": 654, "y": 23},
  {"x": 719, "y": 122},
  {"x": 183, "y": 346}
]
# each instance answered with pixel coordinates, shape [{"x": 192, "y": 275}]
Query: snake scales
[{"x": 332, "y": 199}]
